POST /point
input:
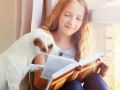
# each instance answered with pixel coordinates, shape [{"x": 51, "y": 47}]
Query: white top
[{"x": 67, "y": 53}]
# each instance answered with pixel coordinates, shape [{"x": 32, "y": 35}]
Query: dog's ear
[{"x": 40, "y": 43}]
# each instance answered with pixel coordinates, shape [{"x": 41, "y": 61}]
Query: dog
[{"x": 16, "y": 61}]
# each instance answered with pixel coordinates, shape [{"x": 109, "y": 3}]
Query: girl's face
[{"x": 71, "y": 18}]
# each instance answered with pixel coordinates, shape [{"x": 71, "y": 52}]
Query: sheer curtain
[
  {"x": 37, "y": 13},
  {"x": 41, "y": 9}
]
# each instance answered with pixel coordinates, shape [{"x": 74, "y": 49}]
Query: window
[{"x": 112, "y": 50}]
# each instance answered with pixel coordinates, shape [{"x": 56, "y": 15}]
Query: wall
[
  {"x": 15, "y": 21},
  {"x": 6, "y": 23}
]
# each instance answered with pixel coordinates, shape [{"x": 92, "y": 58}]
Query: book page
[
  {"x": 54, "y": 64},
  {"x": 57, "y": 65},
  {"x": 90, "y": 59},
  {"x": 64, "y": 70}
]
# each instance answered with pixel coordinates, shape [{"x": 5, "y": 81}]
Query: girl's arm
[{"x": 39, "y": 83}]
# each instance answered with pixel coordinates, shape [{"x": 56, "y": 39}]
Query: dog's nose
[{"x": 50, "y": 46}]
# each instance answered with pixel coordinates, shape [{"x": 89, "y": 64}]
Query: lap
[{"x": 94, "y": 82}]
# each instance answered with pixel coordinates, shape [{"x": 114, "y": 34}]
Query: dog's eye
[{"x": 50, "y": 46}]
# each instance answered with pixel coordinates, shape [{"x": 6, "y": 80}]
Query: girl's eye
[
  {"x": 79, "y": 18},
  {"x": 67, "y": 14}
]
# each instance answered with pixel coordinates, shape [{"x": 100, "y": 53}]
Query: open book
[{"x": 59, "y": 70}]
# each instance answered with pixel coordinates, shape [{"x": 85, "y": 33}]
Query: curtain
[
  {"x": 30, "y": 14},
  {"x": 23, "y": 16},
  {"x": 37, "y": 13},
  {"x": 26, "y": 15},
  {"x": 41, "y": 9}
]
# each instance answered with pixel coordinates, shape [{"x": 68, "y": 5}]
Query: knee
[
  {"x": 96, "y": 77},
  {"x": 98, "y": 82},
  {"x": 73, "y": 85}
]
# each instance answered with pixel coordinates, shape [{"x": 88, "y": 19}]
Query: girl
[{"x": 67, "y": 23}]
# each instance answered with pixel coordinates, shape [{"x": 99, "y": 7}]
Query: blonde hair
[{"x": 80, "y": 37}]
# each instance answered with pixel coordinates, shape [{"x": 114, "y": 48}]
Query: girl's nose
[{"x": 72, "y": 21}]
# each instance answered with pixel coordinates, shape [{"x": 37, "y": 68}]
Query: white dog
[{"x": 15, "y": 62}]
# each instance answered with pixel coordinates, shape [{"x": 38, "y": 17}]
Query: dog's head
[{"x": 43, "y": 39}]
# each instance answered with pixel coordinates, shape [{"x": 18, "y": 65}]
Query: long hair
[{"x": 79, "y": 38}]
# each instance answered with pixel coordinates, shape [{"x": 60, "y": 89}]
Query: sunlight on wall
[
  {"x": 117, "y": 56},
  {"x": 113, "y": 79},
  {"x": 112, "y": 48}
]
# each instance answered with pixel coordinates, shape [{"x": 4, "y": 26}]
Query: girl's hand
[{"x": 104, "y": 65}]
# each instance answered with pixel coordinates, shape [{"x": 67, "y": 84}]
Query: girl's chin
[{"x": 68, "y": 34}]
